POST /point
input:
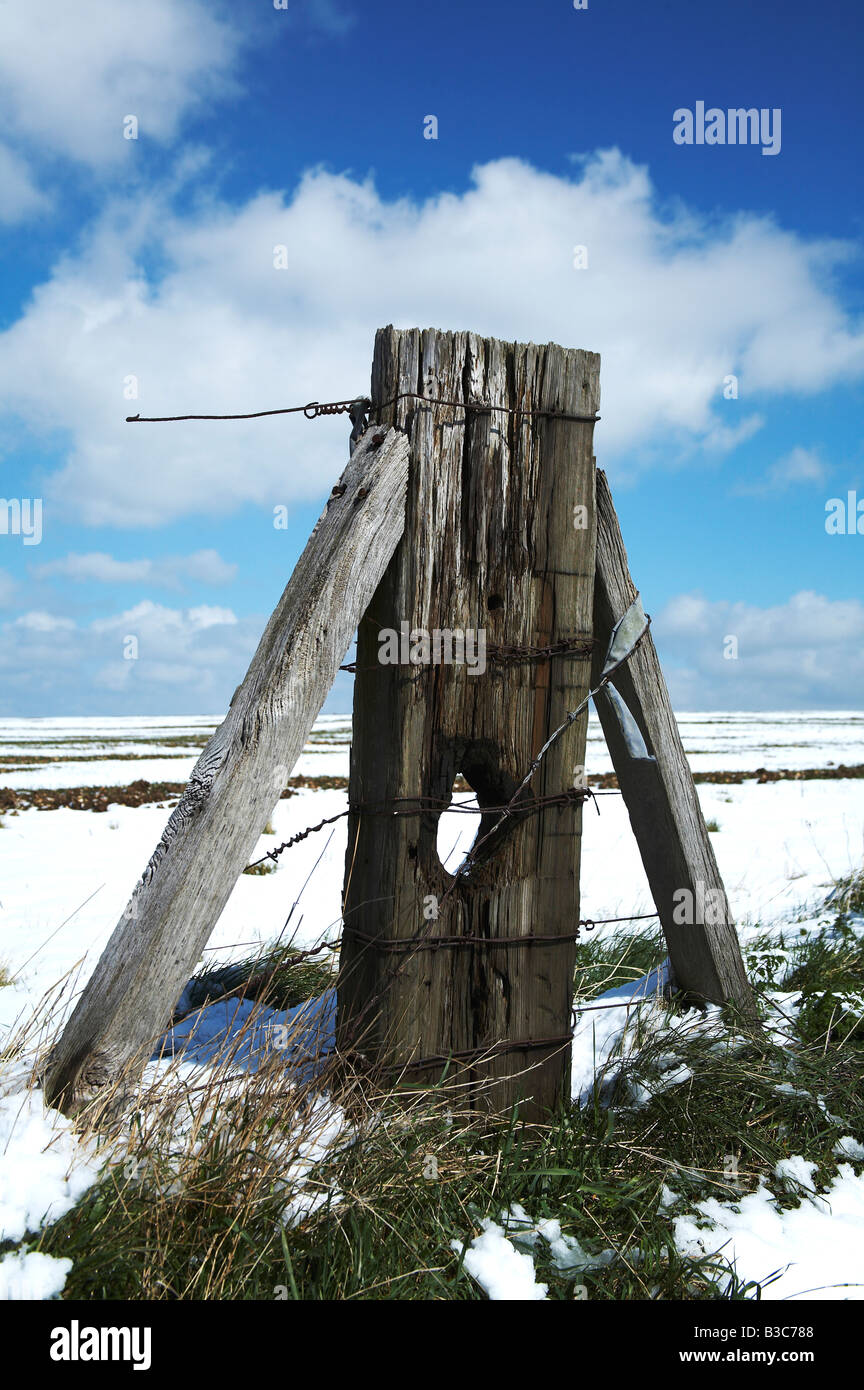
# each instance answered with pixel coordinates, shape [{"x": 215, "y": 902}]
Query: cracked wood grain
[
  {"x": 489, "y": 543},
  {"x": 237, "y": 780},
  {"x": 661, "y": 797}
]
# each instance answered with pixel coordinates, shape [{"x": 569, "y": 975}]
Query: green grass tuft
[{"x": 697, "y": 1106}]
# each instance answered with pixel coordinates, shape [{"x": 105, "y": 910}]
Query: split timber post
[
  {"x": 661, "y": 797},
  {"x": 490, "y": 544},
  {"x": 236, "y": 782}
]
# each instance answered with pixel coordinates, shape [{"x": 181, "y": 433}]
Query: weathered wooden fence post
[
  {"x": 499, "y": 537},
  {"x": 475, "y": 642},
  {"x": 661, "y": 797},
  {"x": 237, "y": 780}
]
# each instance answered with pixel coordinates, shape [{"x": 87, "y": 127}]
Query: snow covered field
[
  {"x": 112, "y": 752},
  {"x": 66, "y": 875},
  {"x": 779, "y": 845},
  {"x": 92, "y": 752}
]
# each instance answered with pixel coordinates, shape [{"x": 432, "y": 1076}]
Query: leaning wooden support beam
[
  {"x": 237, "y": 780},
  {"x": 661, "y": 797}
]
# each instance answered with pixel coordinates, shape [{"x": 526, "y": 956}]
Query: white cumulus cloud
[
  {"x": 181, "y": 659},
  {"x": 169, "y": 572},
  {"x": 805, "y": 653},
  {"x": 672, "y": 302},
  {"x": 37, "y": 620},
  {"x": 69, "y": 74},
  {"x": 20, "y": 198},
  {"x": 797, "y": 467}
]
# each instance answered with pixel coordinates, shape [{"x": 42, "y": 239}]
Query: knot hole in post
[{"x": 479, "y": 762}]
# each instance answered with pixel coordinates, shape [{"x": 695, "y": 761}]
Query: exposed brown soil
[
  {"x": 760, "y": 775},
  {"x": 142, "y": 793}
]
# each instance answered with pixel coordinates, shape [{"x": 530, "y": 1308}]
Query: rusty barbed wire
[
  {"x": 510, "y": 812},
  {"x": 314, "y": 409},
  {"x": 547, "y": 412},
  {"x": 517, "y": 808},
  {"x": 504, "y": 654},
  {"x": 484, "y": 1051},
  {"x": 430, "y": 804},
  {"x": 512, "y": 807},
  {"x": 435, "y": 943}
]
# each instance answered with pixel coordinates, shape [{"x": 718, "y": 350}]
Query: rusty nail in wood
[
  {"x": 338, "y": 490},
  {"x": 361, "y": 493},
  {"x": 377, "y": 439}
]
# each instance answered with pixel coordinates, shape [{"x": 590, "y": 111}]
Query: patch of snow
[
  {"x": 503, "y": 1272},
  {"x": 815, "y": 1247},
  {"x": 566, "y": 1252},
  {"x": 643, "y": 1092},
  {"x": 31, "y": 1275},
  {"x": 848, "y": 1147},
  {"x": 608, "y": 1029},
  {"x": 797, "y": 1173},
  {"x": 43, "y": 1169}
]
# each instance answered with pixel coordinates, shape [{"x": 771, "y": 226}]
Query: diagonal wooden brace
[
  {"x": 661, "y": 797},
  {"x": 237, "y": 780}
]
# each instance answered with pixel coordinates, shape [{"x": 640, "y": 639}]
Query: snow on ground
[
  {"x": 815, "y": 1247},
  {"x": 506, "y": 1272},
  {"x": 326, "y": 760},
  {"x": 713, "y": 742},
  {"x": 251, "y": 1033},
  {"x": 110, "y": 772},
  {"x": 113, "y": 752},
  {"x": 778, "y": 845},
  {"x": 31, "y": 1275},
  {"x": 43, "y": 1173},
  {"x": 65, "y": 877},
  {"x": 771, "y": 739},
  {"x": 809, "y": 1251},
  {"x": 502, "y": 1271},
  {"x": 607, "y": 1028},
  {"x": 290, "y": 1151}
]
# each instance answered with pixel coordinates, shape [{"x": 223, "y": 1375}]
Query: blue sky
[{"x": 153, "y": 259}]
